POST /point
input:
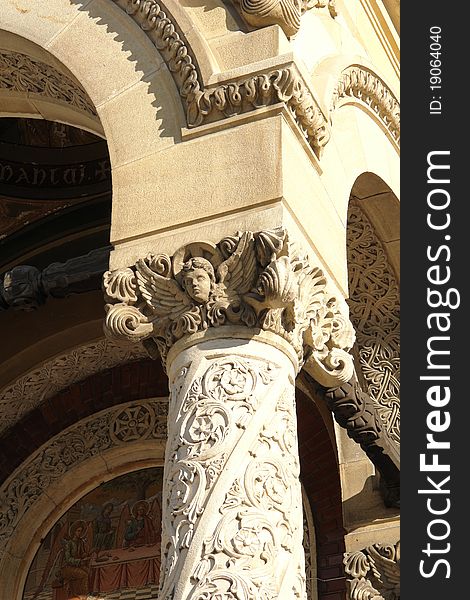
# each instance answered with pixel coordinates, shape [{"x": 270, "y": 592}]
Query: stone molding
[
  {"x": 37, "y": 385},
  {"x": 362, "y": 85},
  {"x": 282, "y": 85},
  {"x": 119, "y": 426},
  {"x": 354, "y": 410},
  {"x": 258, "y": 281},
  {"x": 21, "y": 73},
  {"x": 374, "y": 572},
  {"x": 374, "y": 303}
]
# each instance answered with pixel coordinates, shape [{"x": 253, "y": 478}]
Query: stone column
[{"x": 233, "y": 323}]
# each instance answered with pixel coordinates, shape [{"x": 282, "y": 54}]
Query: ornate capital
[
  {"x": 256, "y": 280},
  {"x": 374, "y": 572}
]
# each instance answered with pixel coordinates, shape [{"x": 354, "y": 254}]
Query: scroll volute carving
[
  {"x": 285, "y": 13},
  {"x": 256, "y": 280},
  {"x": 374, "y": 572}
]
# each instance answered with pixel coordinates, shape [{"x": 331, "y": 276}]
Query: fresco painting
[{"x": 109, "y": 540}]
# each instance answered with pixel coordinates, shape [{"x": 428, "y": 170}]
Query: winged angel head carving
[{"x": 254, "y": 279}]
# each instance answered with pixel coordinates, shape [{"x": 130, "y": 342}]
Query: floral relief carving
[
  {"x": 257, "y": 280},
  {"x": 31, "y": 389},
  {"x": 374, "y": 572},
  {"x": 375, "y": 313},
  {"x": 21, "y": 73},
  {"x": 208, "y": 421},
  {"x": 89, "y": 437},
  {"x": 259, "y": 526}
]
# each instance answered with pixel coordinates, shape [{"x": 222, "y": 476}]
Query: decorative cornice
[
  {"x": 255, "y": 280},
  {"x": 364, "y": 86},
  {"x": 41, "y": 383},
  {"x": 284, "y": 85},
  {"x": 374, "y": 572},
  {"x": 21, "y": 73},
  {"x": 121, "y": 426},
  {"x": 354, "y": 410}
]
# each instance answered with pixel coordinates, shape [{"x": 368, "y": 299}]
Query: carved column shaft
[{"x": 232, "y": 506}]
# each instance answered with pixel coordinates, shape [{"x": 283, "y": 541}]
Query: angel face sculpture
[{"x": 198, "y": 279}]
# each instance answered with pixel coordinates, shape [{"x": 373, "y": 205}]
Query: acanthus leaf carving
[{"x": 259, "y": 280}]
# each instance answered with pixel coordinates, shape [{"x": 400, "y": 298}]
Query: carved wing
[
  {"x": 156, "y": 515},
  {"x": 123, "y": 520},
  {"x": 54, "y": 556},
  {"x": 162, "y": 294},
  {"x": 239, "y": 271}
]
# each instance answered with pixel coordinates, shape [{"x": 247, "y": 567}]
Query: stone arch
[
  {"x": 373, "y": 266},
  {"x": 117, "y": 65},
  {"x": 53, "y": 479}
]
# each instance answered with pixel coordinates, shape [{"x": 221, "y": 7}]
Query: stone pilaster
[{"x": 233, "y": 323}]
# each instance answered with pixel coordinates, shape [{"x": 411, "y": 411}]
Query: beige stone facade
[{"x": 246, "y": 336}]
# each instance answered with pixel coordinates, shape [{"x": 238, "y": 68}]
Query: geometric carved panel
[{"x": 374, "y": 304}]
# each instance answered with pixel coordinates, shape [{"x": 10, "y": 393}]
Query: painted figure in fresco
[
  {"x": 74, "y": 569},
  {"x": 69, "y": 562},
  {"x": 103, "y": 531},
  {"x": 140, "y": 530}
]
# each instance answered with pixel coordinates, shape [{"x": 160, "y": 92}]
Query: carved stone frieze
[
  {"x": 363, "y": 85},
  {"x": 34, "y": 387},
  {"x": 21, "y": 73},
  {"x": 121, "y": 425},
  {"x": 374, "y": 302},
  {"x": 374, "y": 572},
  {"x": 232, "y": 510},
  {"x": 257, "y": 280},
  {"x": 281, "y": 85}
]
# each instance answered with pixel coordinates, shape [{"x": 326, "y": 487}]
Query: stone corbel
[
  {"x": 374, "y": 572},
  {"x": 354, "y": 410},
  {"x": 258, "y": 281},
  {"x": 285, "y": 13}
]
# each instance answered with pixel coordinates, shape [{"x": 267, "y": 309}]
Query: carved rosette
[
  {"x": 232, "y": 505},
  {"x": 374, "y": 572},
  {"x": 256, "y": 280}
]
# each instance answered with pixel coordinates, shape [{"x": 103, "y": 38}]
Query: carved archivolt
[
  {"x": 120, "y": 426},
  {"x": 21, "y": 73},
  {"x": 35, "y": 386},
  {"x": 362, "y": 85},
  {"x": 374, "y": 572},
  {"x": 375, "y": 312},
  {"x": 257, "y": 280}
]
